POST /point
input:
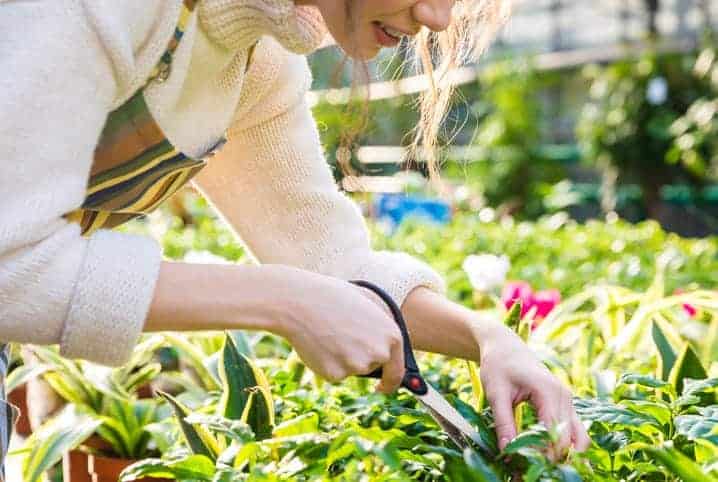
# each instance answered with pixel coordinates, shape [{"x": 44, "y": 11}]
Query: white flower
[
  {"x": 486, "y": 271},
  {"x": 204, "y": 257},
  {"x": 657, "y": 91}
]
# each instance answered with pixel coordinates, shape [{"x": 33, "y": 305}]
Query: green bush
[
  {"x": 556, "y": 252},
  {"x": 640, "y": 122}
]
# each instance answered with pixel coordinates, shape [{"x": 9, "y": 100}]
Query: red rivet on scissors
[{"x": 414, "y": 383}]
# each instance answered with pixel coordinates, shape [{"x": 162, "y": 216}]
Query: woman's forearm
[
  {"x": 437, "y": 324},
  {"x": 191, "y": 297}
]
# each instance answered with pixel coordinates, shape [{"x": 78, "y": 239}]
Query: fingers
[
  {"x": 555, "y": 410},
  {"x": 581, "y": 440},
  {"x": 503, "y": 409},
  {"x": 393, "y": 370}
]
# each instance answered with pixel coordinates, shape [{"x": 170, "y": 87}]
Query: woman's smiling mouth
[{"x": 387, "y": 36}]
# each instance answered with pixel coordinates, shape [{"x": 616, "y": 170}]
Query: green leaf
[
  {"x": 479, "y": 467},
  {"x": 569, "y": 474},
  {"x": 694, "y": 388},
  {"x": 512, "y": 319},
  {"x": 703, "y": 426},
  {"x": 193, "y": 467},
  {"x": 235, "y": 429},
  {"x": 240, "y": 381},
  {"x": 660, "y": 411},
  {"x": 142, "y": 376},
  {"x": 22, "y": 374},
  {"x": 194, "y": 356},
  {"x": 612, "y": 441},
  {"x": 476, "y": 386},
  {"x": 307, "y": 423},
  {"x": 199, "y": 439},
  {"x": 679, "y": 464},
  {"x": 665, "y": 350},
  {"x": 642, "y": 380},
  {"x": 532, "y": 438},
  {"x": 237, "y": 377},
  {"x": 606, "y": 412},
  {"x": 687, "y": 366},
  {"x": 62, "y": 433}
]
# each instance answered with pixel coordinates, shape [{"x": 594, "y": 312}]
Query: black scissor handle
[{"x": 413, "y": 381}]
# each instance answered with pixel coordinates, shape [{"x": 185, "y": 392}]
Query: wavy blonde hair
[{"x": 474, "y": 24}]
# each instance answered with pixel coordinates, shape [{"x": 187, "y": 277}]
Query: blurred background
[{"x": 587, "y": 107}]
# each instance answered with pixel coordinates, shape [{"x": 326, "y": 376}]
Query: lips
[{"x": 385, "y": 35}]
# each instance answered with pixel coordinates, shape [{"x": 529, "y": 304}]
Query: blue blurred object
[{"x": 395, "y": 207}]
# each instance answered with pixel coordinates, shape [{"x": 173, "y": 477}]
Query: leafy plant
[{"x": 101, "y": 400}]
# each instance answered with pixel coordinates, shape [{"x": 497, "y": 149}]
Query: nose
[{"x": 434, "y": 14}]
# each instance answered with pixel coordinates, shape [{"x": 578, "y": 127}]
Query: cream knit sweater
[{"x": 64, "y": 64}]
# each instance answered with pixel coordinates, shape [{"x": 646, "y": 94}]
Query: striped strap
[{"x": 162, "y": 70}]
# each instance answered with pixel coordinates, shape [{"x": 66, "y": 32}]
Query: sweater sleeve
[
  {"x": 57, "y": 83},
  {"x": 271, "y": 183}
]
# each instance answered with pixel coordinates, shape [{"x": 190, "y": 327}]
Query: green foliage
[
  {"x": 101, "y": 400},
  {"x": 555, "y": 252},
  {"x": 695, "y": 134},
  {"x": 62, "y": 433},
  {"x": 652, "y": 120},
  {"x": 643, "y": 371}
]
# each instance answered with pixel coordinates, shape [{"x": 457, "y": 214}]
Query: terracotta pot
[
  {"x": 75, "y": 462},
  {"x": 18, "y": 397},
  {"x": 74, "y": 466},
  {"x": 145, "y": 391},
  {"x": 108, "y": 469}
]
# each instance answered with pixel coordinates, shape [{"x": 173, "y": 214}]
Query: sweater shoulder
[
  {"x": 275, "y": 81},
  {"x": 134, "y": 34}
]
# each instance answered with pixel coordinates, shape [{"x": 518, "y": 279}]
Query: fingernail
[{"x": 503, "y": 442}]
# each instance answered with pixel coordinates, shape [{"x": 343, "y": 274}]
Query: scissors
[{"x": 449, "y": 419}]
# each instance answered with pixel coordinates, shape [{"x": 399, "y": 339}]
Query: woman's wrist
[
  {"x": 439, "y": 325},
  {"x": 485, "y": 330}
]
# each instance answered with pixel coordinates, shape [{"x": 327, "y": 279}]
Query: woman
[{"x": 109, "y": 107}]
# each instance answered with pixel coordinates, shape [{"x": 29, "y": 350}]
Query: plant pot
[
  {"x": 18, "y": 397},
  {"x": 108, "y": 469},
  {"x": 145, "y": 391},
  {"x": 74, "y": 466},
  {"x": 75, "y": 463}
]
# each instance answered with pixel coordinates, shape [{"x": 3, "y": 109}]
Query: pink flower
[
  {"x": 545, "y": 302},
  {"x": 687, "y": 307},
  {"x": 690, "y": 309},
  {"x": 517, "y": 290}
]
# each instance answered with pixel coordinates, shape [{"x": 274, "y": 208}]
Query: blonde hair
[{"x": 474, "y": 24}]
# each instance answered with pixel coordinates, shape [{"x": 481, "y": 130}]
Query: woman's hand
[
  {"x": 337, "y": 328},
  {"x": 510, "y": 374}
]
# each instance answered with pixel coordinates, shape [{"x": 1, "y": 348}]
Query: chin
[{"x": 364, "y": 50}]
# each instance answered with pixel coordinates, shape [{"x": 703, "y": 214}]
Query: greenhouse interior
[{"x": 570, "y": 199}]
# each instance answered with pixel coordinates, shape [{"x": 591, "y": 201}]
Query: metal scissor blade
[{"x": 454, "y": 424}]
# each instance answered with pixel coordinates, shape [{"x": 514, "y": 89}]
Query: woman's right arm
[{"x": 337, "y": 328}]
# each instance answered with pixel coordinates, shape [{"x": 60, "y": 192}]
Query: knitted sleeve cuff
[
  {"x": 399, "y": 273},
  {"x": 111, "y": 298}
]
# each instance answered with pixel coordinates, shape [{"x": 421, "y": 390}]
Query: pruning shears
[{"x": 449, "y": 419}]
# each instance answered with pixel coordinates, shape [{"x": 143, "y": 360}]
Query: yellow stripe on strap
[
  {"x": 98, "y": 222},
  {"x": 145, "y": 200},
  {"x": 184, "y": 18},
  {"x": 176, "y": 184},
  {"x": 145, "y": 167}
]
